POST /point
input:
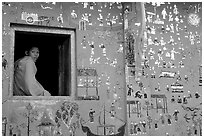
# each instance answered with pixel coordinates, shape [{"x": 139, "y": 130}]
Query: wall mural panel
[
  {"x": 139, "y": 70},
  {"x": 50, "y": 117},
  {"x": 162, "y": 68},
  {"x": 99, "y": 104}
]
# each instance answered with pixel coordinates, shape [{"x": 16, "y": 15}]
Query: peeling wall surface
[{"x": 139, "y": 70}]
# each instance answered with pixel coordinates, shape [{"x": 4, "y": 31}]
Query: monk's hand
[{"x": 46, "y": 93}]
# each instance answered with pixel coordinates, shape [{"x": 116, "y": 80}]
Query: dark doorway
[{"x": 50, "y": 60}]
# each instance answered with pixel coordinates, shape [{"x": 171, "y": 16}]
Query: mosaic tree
[
  {"x": 66, "y": 114},
  {"x": 31, "y": 116}
]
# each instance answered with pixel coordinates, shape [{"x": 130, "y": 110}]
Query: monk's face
[{"x": 34, "y": 53}]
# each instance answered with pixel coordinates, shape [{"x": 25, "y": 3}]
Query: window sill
[{"x": 41, "y": 98}]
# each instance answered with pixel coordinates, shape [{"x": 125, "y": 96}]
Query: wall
[
  {"x": 157, "y": 53},
  {"x": 164, "y": 69},
  {"x": 99, "y": 33}
]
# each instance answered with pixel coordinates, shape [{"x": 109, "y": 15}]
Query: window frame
[{"x": 42, "y": 29}]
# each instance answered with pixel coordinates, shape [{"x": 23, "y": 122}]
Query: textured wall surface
[
  {"x": 99, "y": 33},
  {"x": 164, "y": 80},
  {"x": 144, "y": 57}
]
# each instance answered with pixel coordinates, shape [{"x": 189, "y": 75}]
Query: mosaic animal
[{"x": 45, "y": 19}]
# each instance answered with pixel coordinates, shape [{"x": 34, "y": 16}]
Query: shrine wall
[
  {"x": 100, "y": 65},
  {"x": 146, "y": 59},
  {"x": 164, "y": 69}
]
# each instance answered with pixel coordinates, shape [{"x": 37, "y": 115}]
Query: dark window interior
[{"x": 54, "y": 62}]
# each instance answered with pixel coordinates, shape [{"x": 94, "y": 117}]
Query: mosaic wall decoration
[
  {"x": 100, "y": 73},
  {"x": 163, "y": 71},
  {"x": 88, "y": 82},
  {"x": 43, "y": 118},
  {"x": 139, "y": 70}
]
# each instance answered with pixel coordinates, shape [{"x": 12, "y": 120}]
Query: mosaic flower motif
[{"x": 193, "y": 19}]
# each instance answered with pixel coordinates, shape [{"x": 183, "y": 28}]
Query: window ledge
[{"x": 41, "y": 98}]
